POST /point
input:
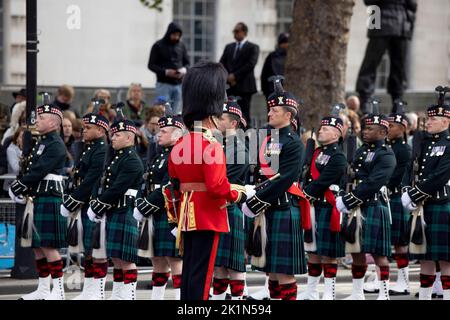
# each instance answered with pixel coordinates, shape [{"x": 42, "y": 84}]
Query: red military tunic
[{"x": 198, "y": 162}]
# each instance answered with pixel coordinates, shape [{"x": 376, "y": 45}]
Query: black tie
[{"x": 236, "y": 50}]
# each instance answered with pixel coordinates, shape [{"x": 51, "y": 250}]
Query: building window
[
  {"x": 285, "y": 10},
  {"x": 383, "y": 73},
  {"x": 197, "y": 20}
]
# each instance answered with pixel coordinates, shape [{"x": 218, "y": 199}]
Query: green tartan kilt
[
  {"x": 230, "y": 252},
  {"x": 88, "y": 229},
  {"x": 376, "y": 229},
  {"x": 284, "y": 250},
  {"x": 163, "y": 240},
  {"x": 437, "y": 231},
  {"x": 329, "y": 244},
  {"x": 50, "y": 227},
  {"x": 122, "y": 235},
  {"x": 400, "y": 218}
]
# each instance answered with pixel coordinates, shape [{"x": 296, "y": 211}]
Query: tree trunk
[{"x": 316, "y": 61}]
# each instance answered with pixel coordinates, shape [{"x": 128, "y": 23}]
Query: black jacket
[
  {"x": 243, "y": 66},
  {"x": 273, "y": 65},
  {"x": 166, "y": 55},
  {"x": 397, "y": 18}
]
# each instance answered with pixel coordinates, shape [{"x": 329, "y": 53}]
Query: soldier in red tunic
[{"x": 199, "y": 188}]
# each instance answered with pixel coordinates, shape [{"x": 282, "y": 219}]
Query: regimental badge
[
  {"x": 437, "y": 151},
  {"x": 274, "y": 148},
  {"x": 93, "y": 119},
  {"x": 40, "y": 149},
  {"x": 370, "y": 157},
  {"x": 121, "y": 126}
]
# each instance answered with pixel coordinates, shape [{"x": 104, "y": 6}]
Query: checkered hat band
[
  {"x": 435, "y": 112},
  {"x": 327, "y": 122},
  {"x": 381, "y": 122},
  {"x": 287, "y": 102},
  {"x": 174, "y": 123},
  {"x": 235, "y": 110},
  {"x": 126, "y": 128},
  {"x": 400, "y": 120},
  {"x": 98, "y": 122},
  {"x": 52, "y": 110}
]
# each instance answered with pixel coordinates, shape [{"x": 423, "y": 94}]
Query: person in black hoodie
[
  {"x": 274, "y": 64},
  {"x": 169, "y": 60}
]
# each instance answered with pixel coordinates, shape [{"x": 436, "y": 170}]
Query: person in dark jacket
[
  {"x": 391, "y": 34},
  {"x": 239, "y": 59},
  {"x": 169, "y": 60},
  {"x": 274, "y": 64}
]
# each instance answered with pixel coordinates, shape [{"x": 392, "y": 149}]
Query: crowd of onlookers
[{"x": 145, "y": 115}]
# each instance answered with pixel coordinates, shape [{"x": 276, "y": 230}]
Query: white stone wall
[{"x": 112, "y": 46}]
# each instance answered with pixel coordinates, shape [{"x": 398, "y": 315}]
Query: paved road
[{"x": 12, "y": 289}]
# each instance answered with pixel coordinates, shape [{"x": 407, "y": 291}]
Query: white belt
[
  {"x": 156, "y": 186},
  {"x": 131, "y": 192},
  {"x": 53, "y": 177}
]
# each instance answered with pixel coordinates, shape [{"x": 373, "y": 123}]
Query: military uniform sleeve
[
  {"x": 403, "y": 162},
  {"x": 331, "y": 174},
  {"x": 52, "y": 158},
  {"x": 384, "y": 165},
  {"x": 215, "y": 173},
  {"x": 84, "y": 190},
  {"x": 126, "y": 178},
  {"x": 289, "y": 172}
]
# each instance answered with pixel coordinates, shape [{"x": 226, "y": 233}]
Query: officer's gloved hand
[
  {"x": 246, "y": 210},
  {"x": 250, "y": 190},
  {"x": 92, "y": 216},
  {"x": 64, "y": 212},
  {"x": 341, "y": 206},
  {"x": 407, "y": 202},
  {"x": 137, "y": 215},
  {"x": 20, "y": 199}
]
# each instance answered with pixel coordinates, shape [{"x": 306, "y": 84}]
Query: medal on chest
[
  {"x": 370, "y": 156},
  {"x": 437, "y": 151},
  {"x": 273, "y": 149},
  {"x": 40, "y": 149},
  {"x": 323, "y": 159}
]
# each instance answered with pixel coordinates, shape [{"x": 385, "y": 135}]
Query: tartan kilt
[
  {"x": 122, "y": 235},
  {"x": 50, "y": 227},
  {"x": 376, "y": 229},
  {"x": 285, "y": 252},
  {"x": 88, "y": 229},
  {"x": 400, "y": 218},
  {"x": 437, "y": 231},
  {"x": 230, "y": 252},
  {"x": 163, "y": 240},
  {"x": 329, "y": 243}
]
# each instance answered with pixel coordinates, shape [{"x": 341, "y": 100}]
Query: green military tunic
[
  {"x": 118, "y": 189},
  {"x": 433, "y": 191},
  {"x": 44, "y": 168},
  {"x": 87, "y": 174},
  {"x": 331, "y": 164},
  {"x": 373, "y": 164},
  {"x": 284, "y": 250}
]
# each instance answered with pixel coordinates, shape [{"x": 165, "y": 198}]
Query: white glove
[
  {"x": 174, "y": 232},
  {"x": 249, "y": 191},
  {"x": 137, "y": 215},
  {"x": 20, "y": 199},
  {"x": 341, "y": 206},
  {"x": 64, "y": 212},
  {"x": 92, "y": 215},
  {"x": 407, "y": 202},
  {"x": 246, "y": 210},
  {"x": 182, "y": 70}
]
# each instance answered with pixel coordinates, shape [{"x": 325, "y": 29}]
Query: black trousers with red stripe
[{"x": 200, "y": 250}]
